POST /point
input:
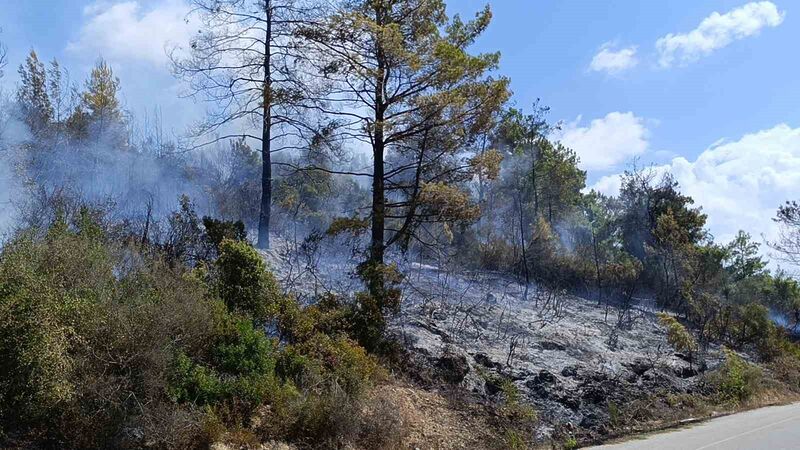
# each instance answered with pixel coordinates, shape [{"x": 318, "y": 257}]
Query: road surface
[{"x": 772, "y": 428}]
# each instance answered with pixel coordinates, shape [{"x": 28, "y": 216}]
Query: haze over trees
[
  {"x": 249, "y": 63},
  {"x": 3, "y": 57},
  {"x": 134, "y": 311}
]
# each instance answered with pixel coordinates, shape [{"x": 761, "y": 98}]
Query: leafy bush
[
  {"x": 244, "y": 283},
  {"x": 344, "y": 363},
  {"x": 191, "y": 382},
  {"x": 86, "y": 332},
  {"x": 217, "y": 231},
  {"x": 369, "y": 314},
  {"x": 752, "y": 324},
  {"x": 105, "y": 346},
  {"x": 570, "y": 443},
  {"x": 329, "y": 315},
  {"x": 242, "y": 367},
  {"x": 736, "y": 380},
  {"x": 677, "y": 335}
]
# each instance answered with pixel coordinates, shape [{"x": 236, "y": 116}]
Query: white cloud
[
  {"x": 609, "y": 185},
  {"x": 125, "y": 30},
  {"x": 717, "y": 31},
  {"x": 739, "y": 184},
  {"x": 606, "y": 142},
  {"x": 613, "y": 61}
]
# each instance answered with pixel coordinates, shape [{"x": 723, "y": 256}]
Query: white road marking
[{"x": 747, "y": 432}]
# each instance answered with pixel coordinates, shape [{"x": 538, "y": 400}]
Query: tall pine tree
[
  {"x": 404, "y": 83},
  {"x": 248, "y": 63}
]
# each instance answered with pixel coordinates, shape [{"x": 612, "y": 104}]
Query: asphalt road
[{"x": 772, "y": 428}]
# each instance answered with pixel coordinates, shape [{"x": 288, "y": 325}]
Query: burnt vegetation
[{"x": 249, "y": 288}]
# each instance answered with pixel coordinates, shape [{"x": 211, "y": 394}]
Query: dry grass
[
  {"x": 434, "y": 421},
  {"x": 397, "y": 415}
]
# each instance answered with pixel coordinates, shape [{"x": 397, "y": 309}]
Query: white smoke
[{"x": 12, "y": 134}]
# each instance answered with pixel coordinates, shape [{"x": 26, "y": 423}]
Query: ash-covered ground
[{"x": 574, "y": 360}]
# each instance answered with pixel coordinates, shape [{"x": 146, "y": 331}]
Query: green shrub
[
  {"x": 243, "y": 350},
  {"x": 243, "y": 281},
  {"x": 219, "y": 230},
  {"x": 48, "y": 293},
  {"x": 329, "y": 315},
  {"x": 614, "y": 414},
  {"x": 87, "y": 331},
  {"x": 241, "y": 369},
  {"x": 752, "y": 325},
  {"x": 677, "y": 335},
  {"x": 736, "y": 380},
  {"x": 323, "y": 360},
  {"x": 570, "y": 443},
  {"x": 98, "y": 338},
  {"x": 190, "y": 382},
  {"x": 515, "y": 441}
]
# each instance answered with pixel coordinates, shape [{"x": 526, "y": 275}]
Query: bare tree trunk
[
  {"x": 266, "y": 137},
  {"x": 378, "y": 203},
  {"x": 597, "y": 268},
  {"x": 524, "y": 252},
  {"x": 534, "y": 181},
  {"x": 147, "y": 222},
  {"x": 481, "y": 192}
]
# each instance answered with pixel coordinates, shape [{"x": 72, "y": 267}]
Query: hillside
[{"x": 590, "y": 371}]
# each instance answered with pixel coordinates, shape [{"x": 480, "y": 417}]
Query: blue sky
[
  {"x": 708, "y": 90},
  {"x": 547, "y": 47}
]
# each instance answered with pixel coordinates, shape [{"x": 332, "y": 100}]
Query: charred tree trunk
[
  {"x": 377, "y": 239},
  {"x": 523, "y": 244},
  {"x": 598, "y": 279},
  {"x": 148, "y": 218},
  {"x": 266, "y": 138},
  {"x": 534, "y": 182}
]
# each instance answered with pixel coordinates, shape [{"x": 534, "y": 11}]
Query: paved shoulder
[{"x": 774, "y": 428}]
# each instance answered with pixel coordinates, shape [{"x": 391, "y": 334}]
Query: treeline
[
  {"x": 649, "y": 242},
  {"x": 451, "y": 167},
  {"x": 78, "y": 142}
]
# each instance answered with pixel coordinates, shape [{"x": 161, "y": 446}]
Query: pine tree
[
  {"x": 404, "y": 82},
  {"x": 744, "y": 260},
  {"x": 248, "y": 62},
  {"x": 99, "y": 100},
  {"x": 32, "y": 94}
]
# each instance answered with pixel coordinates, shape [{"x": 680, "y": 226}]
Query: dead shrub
[{"x": 383, "y": 424}]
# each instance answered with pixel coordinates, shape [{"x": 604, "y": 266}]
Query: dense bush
[
  {"x": 87, "y": 330},
  {"x": 218, "y": 230},
  {"x": 104, "y": 345},
  {"x": 243, "y": 282},
  {"x": 240, "y": 367},
  {"x": 736, "y": 380}
]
